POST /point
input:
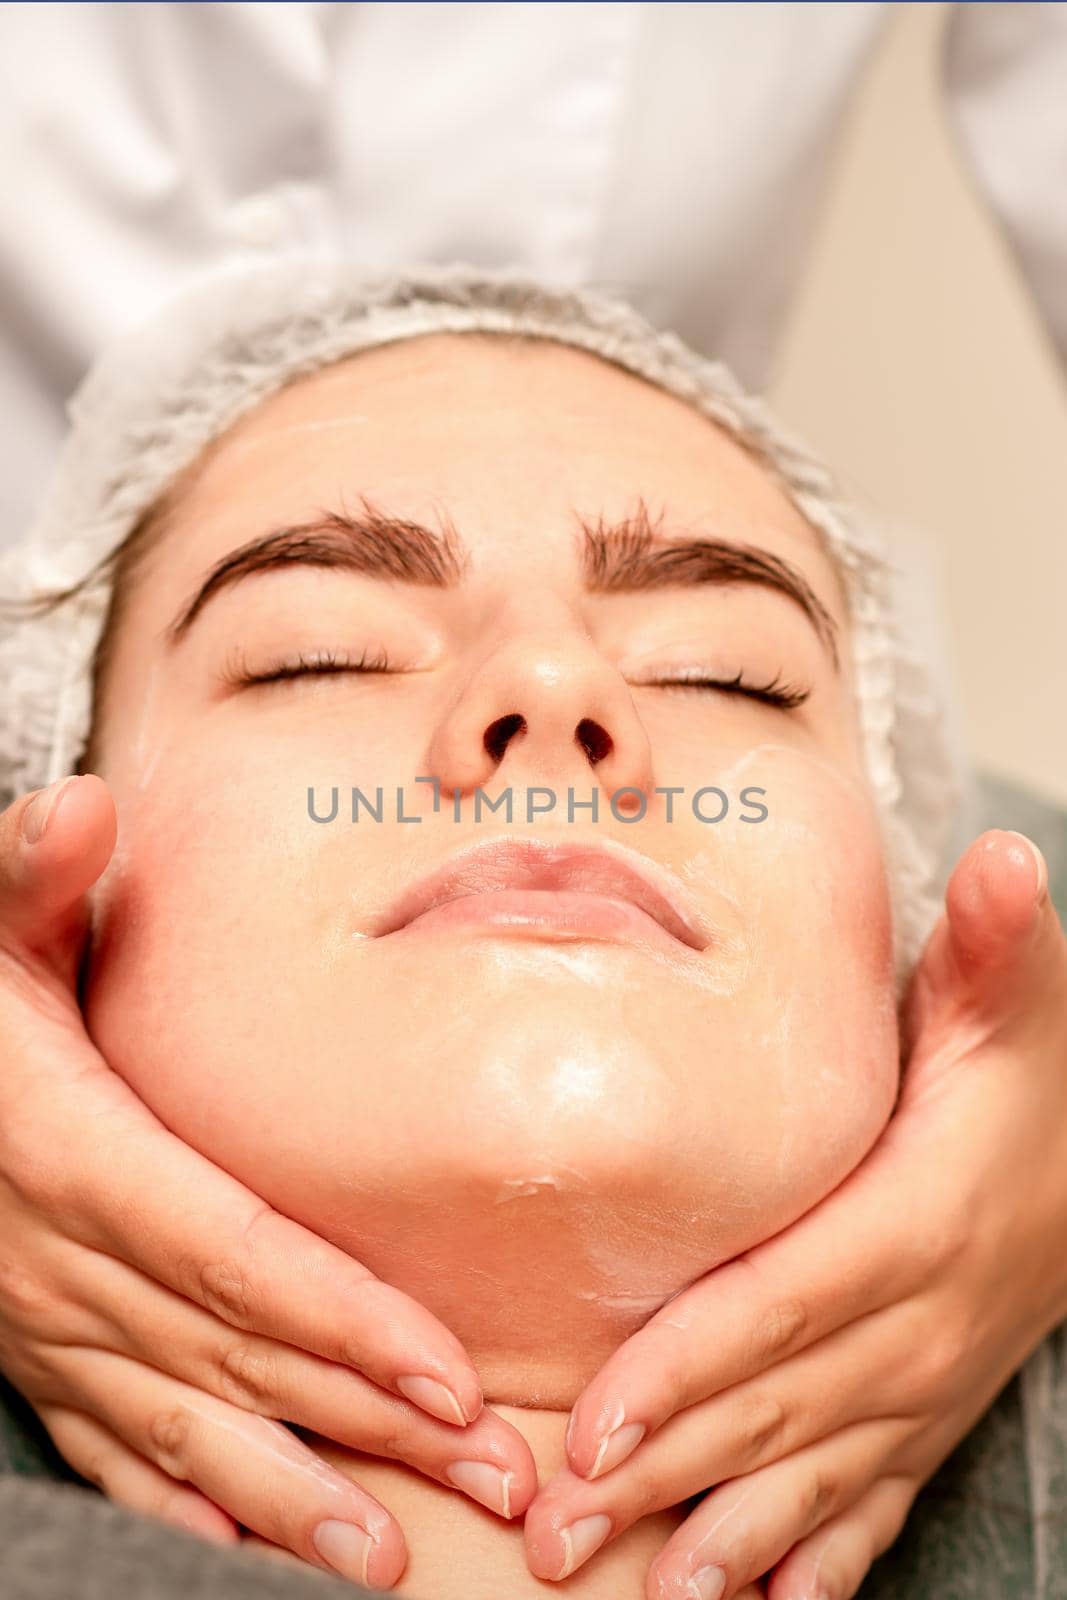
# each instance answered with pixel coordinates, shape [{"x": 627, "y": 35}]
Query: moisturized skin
[{"x": 542, "y": 1125}]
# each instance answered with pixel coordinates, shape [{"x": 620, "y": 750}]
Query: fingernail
[
  {"x": 707, "y": 1583},
  {"x": 581, "y": 1539},
  {"x": 488, "y": 1485},
  {"x": 434, "y": 1397},
  {"x": 1039, "y": 862},
  {"x": 346, "y": 1547},
  {"x": 42, "y": 808},
  {"x": 616, "y": 1446}
]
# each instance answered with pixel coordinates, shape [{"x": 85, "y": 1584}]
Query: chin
[{"x": 540, "y": 1142}]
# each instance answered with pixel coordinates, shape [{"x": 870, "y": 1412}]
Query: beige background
[{"x": 916, "y": 363}]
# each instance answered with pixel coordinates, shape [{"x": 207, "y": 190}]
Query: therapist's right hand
[{"x": 160, "y": 1318}]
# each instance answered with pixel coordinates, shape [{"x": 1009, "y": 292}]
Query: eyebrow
[
  {"x": 370, "y": 542},
  {"x": 622, "y": 557},
  {"x": 633, "y": 555}
]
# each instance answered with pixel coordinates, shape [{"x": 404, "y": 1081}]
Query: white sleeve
[{"x": 1005, "y": 75}]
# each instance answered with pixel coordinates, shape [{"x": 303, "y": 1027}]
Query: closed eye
[
  {"x": 775, "y": 693},
  {"x": 321, "y": 663}
]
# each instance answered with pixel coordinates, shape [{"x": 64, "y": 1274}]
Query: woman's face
[{"x": 547, "y": 1109}]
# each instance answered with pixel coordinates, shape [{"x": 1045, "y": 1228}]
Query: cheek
[
  {"x": 813, "y": 877},
  {"x": 221, "y": 898},
  {"x": 819, "y": 958}
]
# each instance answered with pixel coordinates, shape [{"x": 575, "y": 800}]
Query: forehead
[{"x": 508, "y": 437}]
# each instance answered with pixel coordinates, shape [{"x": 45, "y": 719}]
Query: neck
[
  {"x": 457, "y": 1551},
  {"x": 502, "y": 1261},
  {"x": 502, "y": 1256}
]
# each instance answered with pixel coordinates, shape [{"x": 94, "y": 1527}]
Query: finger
[
  {"x": 102, "y": 1458},
  {"x": 832, "y": 1562},
  {"x": 1005, "y": 934},
  {"x": 993, "y": 898},
  {"x": 489, "y": 1459},
  {"x": 746, "y": 1316},
  {"x": 231, "y": 1254},
  {"x": 54, "y": 844},
  {"x": 272, "y": 1276},
  {"x": 811, "y": 1397},
  {"x": 743, "y": 1528},
  {"x": 997, "y": 949},
  {"x": 849, "y": 1257},
  {"x": 257, "y": 1471},
  {"x": 792, "y": 1407},
  {"x": 792, "y": 1290}
]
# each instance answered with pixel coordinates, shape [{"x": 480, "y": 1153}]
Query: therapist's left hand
[{"x": 815, "y": 1383}]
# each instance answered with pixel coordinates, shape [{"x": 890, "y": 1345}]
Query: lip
[{"x": 532, "y": 888}]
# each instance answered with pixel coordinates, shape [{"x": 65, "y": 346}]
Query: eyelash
[
  {"x": 326, "y": 663},
  {"x": 774, "y": 693},
  {"x": 323, "y": 663}
]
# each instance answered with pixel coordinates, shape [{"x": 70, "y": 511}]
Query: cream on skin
[{"x": 540, "y": 1131}]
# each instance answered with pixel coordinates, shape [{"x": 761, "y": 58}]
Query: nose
[{"x": 547, "y": 709}]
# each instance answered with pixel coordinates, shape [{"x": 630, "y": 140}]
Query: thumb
[
  {"x": 54, "y": 844},
  {"x": 998, "y": 951}
]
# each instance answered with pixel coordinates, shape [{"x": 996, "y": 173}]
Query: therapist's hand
[
  {"x": 815, "y": 1383},
  {"x": 161, "y": 1319}
]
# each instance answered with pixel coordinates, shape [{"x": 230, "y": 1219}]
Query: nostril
[
  {"x": 500, "y": 733},
  {"x": 594, "y": 740}
]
